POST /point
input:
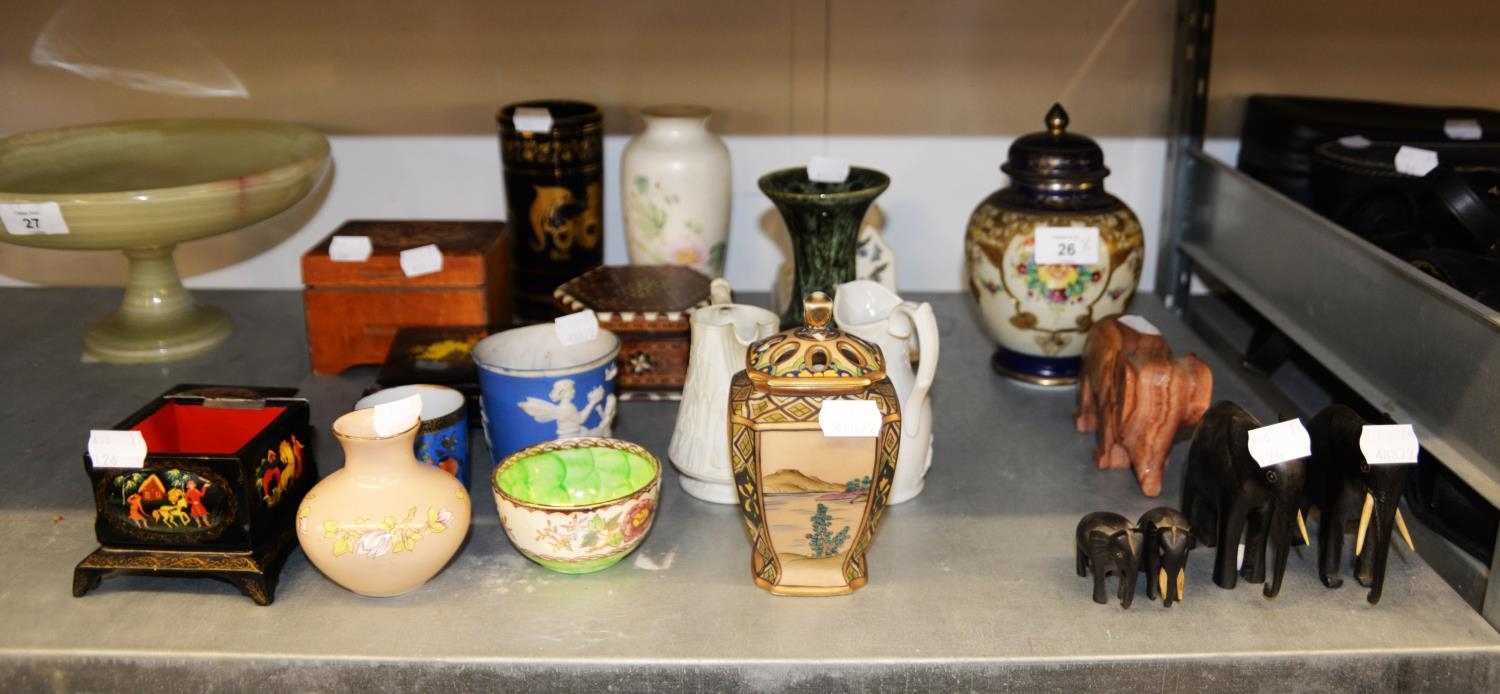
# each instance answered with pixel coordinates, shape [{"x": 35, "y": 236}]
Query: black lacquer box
[{"x": 217, "y": 495}]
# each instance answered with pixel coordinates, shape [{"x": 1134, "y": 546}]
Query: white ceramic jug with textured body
[
  {"x": 902, "y": 329},
  {"x": 700, "y": 443},
  {"x": 674, "y": 187}
]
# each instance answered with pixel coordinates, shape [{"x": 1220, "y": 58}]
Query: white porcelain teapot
[
  {"x": 876, "y": 314},
  {"x": 722, "y": 332}
]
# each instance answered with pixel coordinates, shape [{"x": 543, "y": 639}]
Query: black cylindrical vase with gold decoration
[
  {"x": 812, "y": 501},
  {"x": 554, "y": 197}
]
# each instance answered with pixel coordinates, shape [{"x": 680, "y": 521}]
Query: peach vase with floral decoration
[{"x": 385, "y": 523}]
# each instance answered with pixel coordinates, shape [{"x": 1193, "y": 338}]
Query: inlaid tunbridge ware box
[
  {"x": 217, "y": 494},
  {"x": 354, "y": 308},
  {"x": 650, "y": 308}
]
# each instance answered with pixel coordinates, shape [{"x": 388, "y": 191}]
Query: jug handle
[
  {"x": 719, "y": 292},
  {"x": 925, "y": 322}
]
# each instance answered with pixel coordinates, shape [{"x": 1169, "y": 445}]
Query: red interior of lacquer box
[{"x": 178, "y": 428}]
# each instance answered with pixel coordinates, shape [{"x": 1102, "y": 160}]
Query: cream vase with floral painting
[{"x": 675, "y": 191}]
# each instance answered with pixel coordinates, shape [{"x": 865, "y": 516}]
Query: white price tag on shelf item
[
  {"x": 396, "y": 416},
  {"x": 350, "y": 249},
  {"x": 1389, "y": 444},
  {"x": 109, "y": 448},
  {"x": 422, "y": 260},
  {"x": 1355, "y": 141},
  {"x": 828, "y": 169},
  {"x": 849, "y": 418},
  {"x": 1279, "y": 443},
  {"x": 1415, "y": 161},
  {"x": 577, "y": 328},
  {"x": 33, "y": 218},
  {"x": 1463, "y": 129},
  {"x": 531, "y": 119},
  {"x": 1139, "y": 324},
  {"x": 1067, "y": 245}
]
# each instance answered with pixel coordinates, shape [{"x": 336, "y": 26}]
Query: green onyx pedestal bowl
[
  {"x": 143, "y": 187},
  {"x": 578, "y": 505}
]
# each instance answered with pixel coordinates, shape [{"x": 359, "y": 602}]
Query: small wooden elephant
[
  {"x": 1167, "y": 537},
  {"x": 1109, "y": 545},
  {"x": 1137, "y": 397}
]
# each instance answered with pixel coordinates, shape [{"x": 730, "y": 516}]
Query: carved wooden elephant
[
  {"x": 1109, "y": 545},
  {"x": 1228, "y": 495},
  {"x": 1137, "y": 397},
  {"x": 1352, "y": 494},
  {"x": 1107, "y": 340},
  {"x": 1167, "y": 537}
]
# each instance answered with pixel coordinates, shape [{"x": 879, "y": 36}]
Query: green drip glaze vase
[{"x": 823, "y": 220}]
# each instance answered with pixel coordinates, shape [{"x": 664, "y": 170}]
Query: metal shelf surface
[{"x": 972, "y": 584}]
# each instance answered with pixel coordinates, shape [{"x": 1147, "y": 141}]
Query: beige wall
[
  {"x": 771, "y": 67},
  {"x": 1438, "y": 52},
  {"x": 881, "y": 67}
]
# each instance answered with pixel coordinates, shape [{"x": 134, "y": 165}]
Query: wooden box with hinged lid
[{"x": 355, "y": 308}]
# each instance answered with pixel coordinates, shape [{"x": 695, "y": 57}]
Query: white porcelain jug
[
  {"x": 902, "y": 329},
  {"x": 700, "y": 443}
]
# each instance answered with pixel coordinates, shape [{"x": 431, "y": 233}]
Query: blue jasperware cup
[
  {"x": 443, "y": 439},
  {"x": 533, "y": 388}
]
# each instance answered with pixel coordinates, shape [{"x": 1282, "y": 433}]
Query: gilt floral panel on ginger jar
[{"x": 1046, "y": 310}]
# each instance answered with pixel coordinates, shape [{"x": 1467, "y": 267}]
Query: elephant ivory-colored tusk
[
  {"x": 1401, "y": 528},
  {"x": 1364, "y": 523},
  {"x": 1181, "y": 584},
  {"x": 1161, "y": 582},
  {"x": 1302, "y": 526}
]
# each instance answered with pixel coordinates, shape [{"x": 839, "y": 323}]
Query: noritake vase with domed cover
[{"x": 1036, "y": 304}]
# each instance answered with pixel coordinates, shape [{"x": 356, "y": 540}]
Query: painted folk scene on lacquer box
[{"x": 170, "y": 501}]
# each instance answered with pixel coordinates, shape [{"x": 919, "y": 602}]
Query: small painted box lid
[
  {"x": 637, "y": 297},
  {"x": 473, "y": 252}
]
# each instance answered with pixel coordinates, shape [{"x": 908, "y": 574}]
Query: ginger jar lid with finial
[
  {"x": 816, "y": 356},
  {"x": 1055, "y": 156}
]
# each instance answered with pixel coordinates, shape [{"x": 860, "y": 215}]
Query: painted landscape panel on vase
[{"x": 816, "y": 489}]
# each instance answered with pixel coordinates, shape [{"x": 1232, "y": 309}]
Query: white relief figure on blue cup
[
  {"x": 570, "y": 419},
  {"x": 530, "y": 385}
]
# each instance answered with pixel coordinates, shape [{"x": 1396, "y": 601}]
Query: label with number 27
[{"x": 33, "y": 219}]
